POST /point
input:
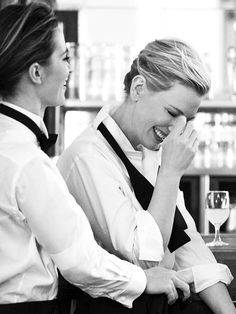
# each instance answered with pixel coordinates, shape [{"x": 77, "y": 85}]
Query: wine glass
[{"x": 217, "y": 211}]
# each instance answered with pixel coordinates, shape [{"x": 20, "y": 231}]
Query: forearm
[
  {"x": 218, "y": 299},
  {"x": 163, "y": 203},
  {"x": 101, "y": 274},
  {"x": 178, "y": 150}
]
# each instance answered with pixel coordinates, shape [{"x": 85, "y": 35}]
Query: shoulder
[
  {"x": 90, "y": 144},
  {"x": 21, "y": 165},
  {"x": 18, "y": 155},
  {"x": 89, "y": 153}
]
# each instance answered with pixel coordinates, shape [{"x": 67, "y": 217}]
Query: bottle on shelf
[
  {"x": 98, "y": 71},
  {"x": 217, "y": 140},
  {"x": 231, "y": 70}
]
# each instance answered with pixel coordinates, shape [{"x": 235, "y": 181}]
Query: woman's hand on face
[
  {"x": 179, "y": 147},
  {"x": 162, "y": 280}
]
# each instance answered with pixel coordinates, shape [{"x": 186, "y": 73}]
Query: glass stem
[{"x": 217, "y": 233}]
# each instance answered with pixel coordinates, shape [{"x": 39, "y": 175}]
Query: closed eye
[
  {"x": 172, "y": 114},
  {"x": 175, "y": 115}
]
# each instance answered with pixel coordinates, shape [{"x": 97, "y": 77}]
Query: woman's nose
[
  {"x": 174, "y": 121},
  {"x": 170, "y": 127}
]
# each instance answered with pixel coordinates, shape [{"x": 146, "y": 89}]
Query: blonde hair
[{"x": 167, "y": 61}]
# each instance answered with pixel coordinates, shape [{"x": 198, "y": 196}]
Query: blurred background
[{"x": 104, "y": 36}]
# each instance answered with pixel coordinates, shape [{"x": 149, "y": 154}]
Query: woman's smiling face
[
  {"x": 155, "y": 113},
  {"x": 56, "y": 72}
]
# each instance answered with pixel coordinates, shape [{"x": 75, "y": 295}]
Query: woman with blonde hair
[{"x": 125, "y": 170}]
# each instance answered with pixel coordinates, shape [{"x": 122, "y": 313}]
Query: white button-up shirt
[
  {"x": 42, "y": 226},
  {"x": 99, "y": 181}
]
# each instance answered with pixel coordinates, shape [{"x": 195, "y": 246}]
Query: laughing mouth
[
  {"x": 161, "y": 135},
  {"x": 66, "y": 82}
]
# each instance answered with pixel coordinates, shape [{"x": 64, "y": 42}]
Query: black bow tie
[
  {"x": 44, "y": 142},
  {"x": 143, "y": 190}
]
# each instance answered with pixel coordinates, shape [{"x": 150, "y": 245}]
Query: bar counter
[{"x": 226, "y": 255}]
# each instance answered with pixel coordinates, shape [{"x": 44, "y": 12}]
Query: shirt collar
[
  {"x": 37, "y": 119},
  {"x": 143, "y": 159},
  {"x": 104, "y": 116}
]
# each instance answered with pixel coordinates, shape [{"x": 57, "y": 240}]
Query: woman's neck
[
  {"x": 27, "y": 103},
  {"x": 124, "y": 117}
]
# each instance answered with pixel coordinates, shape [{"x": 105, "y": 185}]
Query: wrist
[{"x": 173, "y": 176}]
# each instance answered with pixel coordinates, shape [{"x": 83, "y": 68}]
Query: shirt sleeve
[
  {"x": 103, "y": 190},
  {"x": 62, "y": 229},
  {"x": 197, "y": 256}
]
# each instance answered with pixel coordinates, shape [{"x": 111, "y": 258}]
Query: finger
[
  {"x": 195, "y": 145},
  {"x": 172, "y": 295},
  {"x": 193, "y": 137},
  {"x": 178, "y": 125},
  {"x": 182, "y": 286},
  {"x": 188, "y": 129}
]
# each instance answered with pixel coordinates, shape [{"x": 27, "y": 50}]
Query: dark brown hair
[{"x": 26, "y": 36}]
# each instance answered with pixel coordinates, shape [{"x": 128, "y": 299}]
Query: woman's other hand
[{"x": 161, "y": 280}]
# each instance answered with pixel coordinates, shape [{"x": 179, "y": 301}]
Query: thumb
[{"x": 178, "y": 125}]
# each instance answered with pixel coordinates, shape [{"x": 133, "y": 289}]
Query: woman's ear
[
  {"x": 137, "y": 87},
  {"x": 36, "y": 73}
]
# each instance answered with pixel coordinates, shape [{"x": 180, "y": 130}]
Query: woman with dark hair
[
  {"x": 41, "y": 225},
  {"x": 125, "y": 169}
]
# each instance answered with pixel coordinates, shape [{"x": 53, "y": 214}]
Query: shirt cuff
[
  {"x": 206, "y": 275},
  {"x": 116, "y": 279},
  {"x": 149, "y": 237},
  {"x": 136, "y": 287}
]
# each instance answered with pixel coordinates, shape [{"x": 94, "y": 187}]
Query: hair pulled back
[
  {"x": 26, "y": 36},
  {"x": 167, "y": 61}
]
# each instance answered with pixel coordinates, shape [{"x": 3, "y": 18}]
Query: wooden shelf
[
  {"x": 226, "y": 237},
  {"x": 78, "y": 104},
  {"x": 214, "y": 103},
  {"x": 224, "y": 171},
  {"x": 218, "y": 103},
  {"x": 206, "y": 105}
]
